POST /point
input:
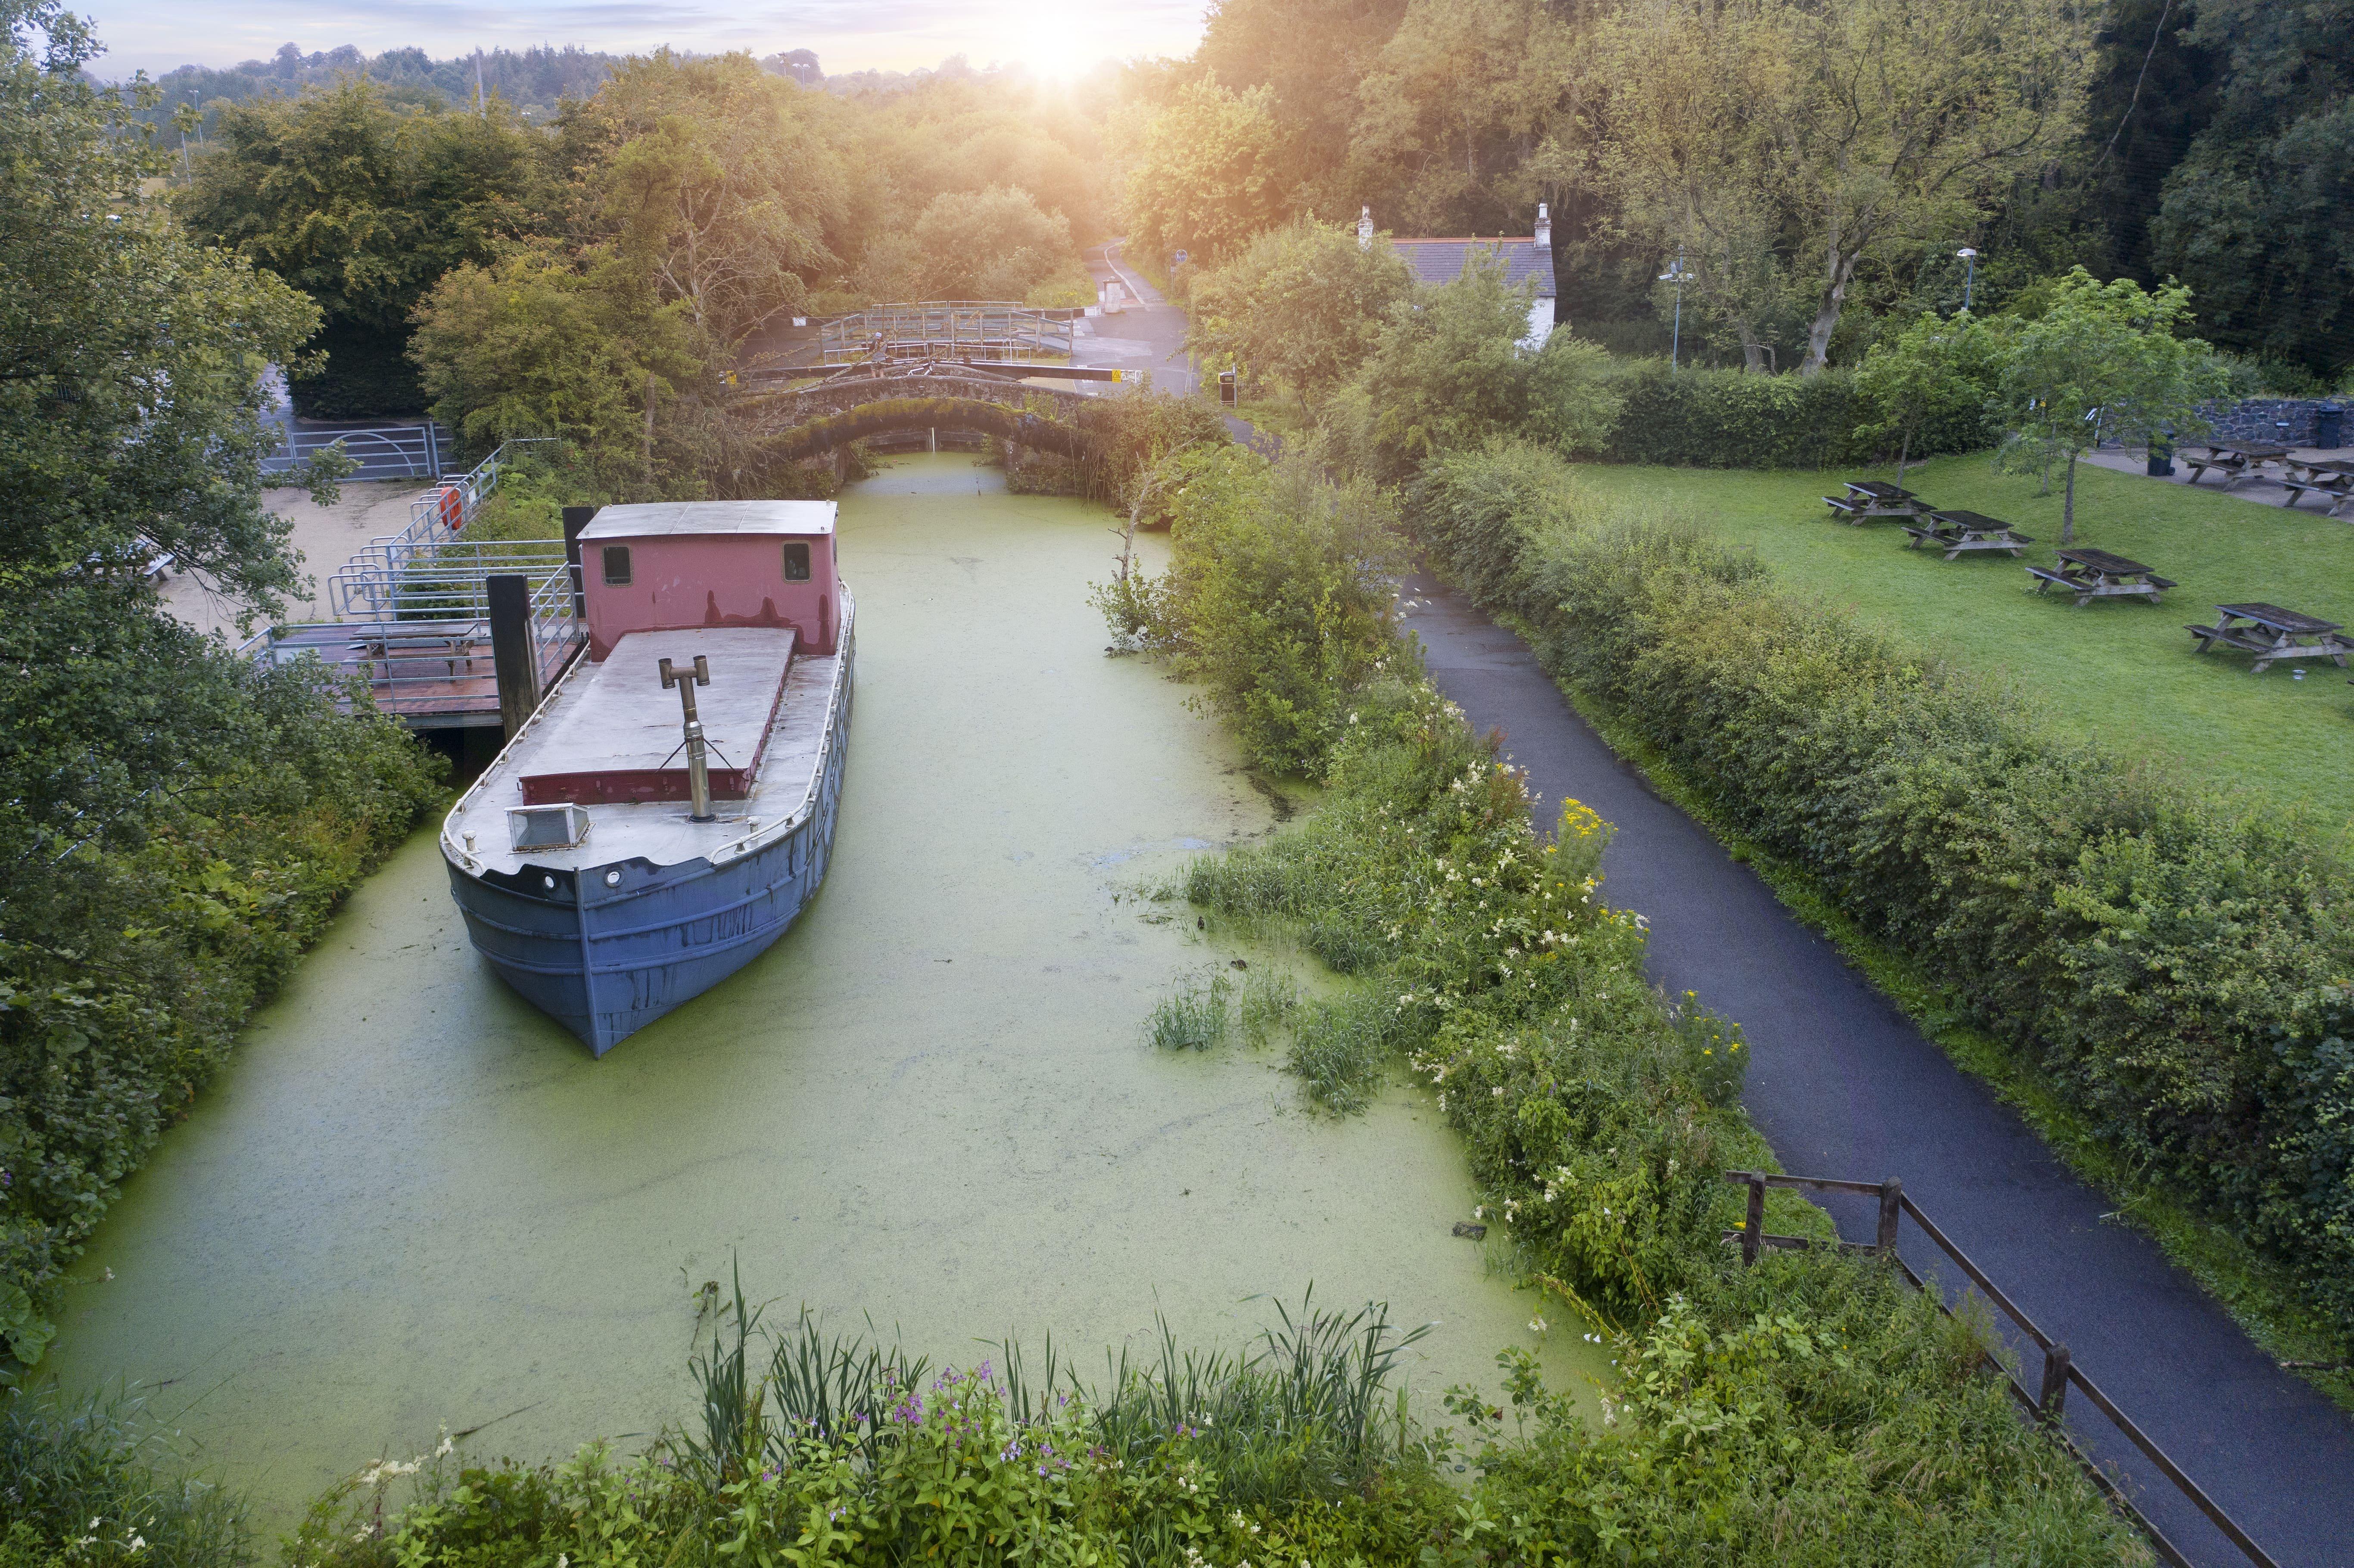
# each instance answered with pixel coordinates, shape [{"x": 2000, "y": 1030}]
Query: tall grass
[
  {"x": 1193, "y": 1015},
  {"x": 94, "y": 1482}
]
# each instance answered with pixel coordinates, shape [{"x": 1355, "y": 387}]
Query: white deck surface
[
  {"x": 657, "y": 831},
  {"x": 619, "y": 719}
]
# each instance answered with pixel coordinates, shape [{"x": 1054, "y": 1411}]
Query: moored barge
[{"x": 669, "y": 808}]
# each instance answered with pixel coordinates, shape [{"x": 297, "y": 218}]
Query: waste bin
[
  {"x": 2329, "y": 426},
  {"x": 2161, "y": 455},
  {"x": 1229, "y": 393}
]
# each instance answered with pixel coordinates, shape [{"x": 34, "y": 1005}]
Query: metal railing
[
  {"x": 421, "y": 450},
  {"x": 945, "y": 329},
  {"x": 438, "y": 582},
  {"x": 434, "y": 661},
  {"x": 436, "y": 520},
  {"x": 2060, "y": 1370}
]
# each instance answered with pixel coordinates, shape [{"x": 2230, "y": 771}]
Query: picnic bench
[
  {"x": 2271, "y": 633},
  {"x": 2330, "y": 477},
  {"x": 1955, "y": 531},
  {"x": 2096, "y": 574},
  {"x": 1868, "y": 498},
  {"x": 452, "y": 645},
  {"x": 2233, "y": 463}
]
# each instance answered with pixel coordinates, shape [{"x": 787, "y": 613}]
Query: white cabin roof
[{"x": 654, "y": 519}]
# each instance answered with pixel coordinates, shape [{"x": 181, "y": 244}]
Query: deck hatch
[{"x": 558, "y": 826}]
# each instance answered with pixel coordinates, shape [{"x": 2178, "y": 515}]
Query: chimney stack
[{"x": 1544, "y": 227}]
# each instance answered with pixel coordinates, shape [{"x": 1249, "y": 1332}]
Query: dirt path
[{"x": 326, "y": 536}]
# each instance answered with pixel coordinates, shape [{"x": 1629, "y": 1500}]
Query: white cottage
[{"x": 1526, "y": 261}]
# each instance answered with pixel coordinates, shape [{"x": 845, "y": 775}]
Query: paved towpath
[{"x": 1845, "y": 1085}]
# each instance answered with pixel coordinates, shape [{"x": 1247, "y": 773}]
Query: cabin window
[
  {"x": 617, "y": 565},
  {"x": 797, "y": 563}
]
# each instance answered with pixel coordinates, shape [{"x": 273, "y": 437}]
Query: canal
[{"x": 412, "y": 1202}]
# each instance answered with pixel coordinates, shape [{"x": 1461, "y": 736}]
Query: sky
[{"x": 1055, "y": 37}]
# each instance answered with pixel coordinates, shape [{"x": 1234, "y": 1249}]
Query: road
[
  {"x": 1149, "y": 333},
  {"x": 1844, "y": 1085}
]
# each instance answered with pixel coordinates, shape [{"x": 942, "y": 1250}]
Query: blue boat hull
[{"x": 607, "y": 961}]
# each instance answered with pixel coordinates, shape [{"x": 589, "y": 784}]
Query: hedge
[
  {"x": 1730, "y": 419},
  {"x": 2175, "y": 963}
]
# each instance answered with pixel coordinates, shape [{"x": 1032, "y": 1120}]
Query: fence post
[
  {"x": 510, "y": 649},
  {"x": 2055, "y": 1383},
  {"x": 1755, "y": 1227},
  {"x": 1892, "y": 1209}
]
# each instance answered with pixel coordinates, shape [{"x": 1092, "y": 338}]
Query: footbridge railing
[
  {"x": 946, "y": 329},
  {"x": 2060, "y": 1371}
]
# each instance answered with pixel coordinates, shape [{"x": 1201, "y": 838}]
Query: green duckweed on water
[{"x": 413, "y": 1203}]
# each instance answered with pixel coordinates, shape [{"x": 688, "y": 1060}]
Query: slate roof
[{"x": 1441, "y": 260}]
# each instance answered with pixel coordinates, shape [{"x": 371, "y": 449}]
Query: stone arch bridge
[{"x": 809, "y": 422}]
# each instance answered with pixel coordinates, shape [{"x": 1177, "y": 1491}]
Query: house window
[
  {"x": 797, "y": 563},
  {"x": 617, "y": 565}
]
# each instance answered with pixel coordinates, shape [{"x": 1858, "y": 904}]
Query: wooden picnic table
[
  {"x": 2271, "y": 633},
  {"x": 2329, "y": 477},
  {"x": 2096, "y": 574},
  {"x": 2233, "y": 463},
  {"x": 1868, "y": 498},
  {"x": 1955, "y": 531},
  {"x": 451, "y": 645}
]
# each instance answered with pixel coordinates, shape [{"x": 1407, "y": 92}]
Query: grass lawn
[{"x": 2122, "y": 671}]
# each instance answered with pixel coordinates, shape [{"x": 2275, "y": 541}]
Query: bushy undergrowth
[
  {"x": 2176, "y": 961},
  {"x": 1811, "y": 1409},
  {"x": 94, "y": 1484},
  {"x": 132, "y": 953}
]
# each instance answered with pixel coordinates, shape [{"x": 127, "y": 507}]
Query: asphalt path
[
  {"x": 1843, "y": 1085},
  {"x": 1148, "y": 333}
]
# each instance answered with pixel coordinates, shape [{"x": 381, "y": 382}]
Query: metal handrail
[
  {"x": 2060, "y": 1370},
  {"x": 943, "y": 329},
  {"x": 422, "y": 583}
]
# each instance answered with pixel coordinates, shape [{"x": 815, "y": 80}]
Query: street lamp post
[
  {"x": 1970, "y": 273},
  {"x": 1679, "y": 277}
]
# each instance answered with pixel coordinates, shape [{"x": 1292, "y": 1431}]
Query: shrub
[
  {"x": 1277, "y": 599},
  {"x": 2173, "y": 961}
]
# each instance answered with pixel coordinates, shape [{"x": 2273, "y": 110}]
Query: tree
[
  {"x": 713, "y": 180},
  {"x": 1858, "y": 125},
  {"x": 2256, "y": 215},
  {"x": 1452, "y": 109},
  {"x": 1932, "y": 373},
  {"x": 1311, "y": 55},
  {"x": 1303, "y": 304},
  {"x": 991, "y": 244},
  {"x": 2103, "y": 359},
  {"x": 131, "y": 358},
  {"x": 1691, "y": 169},
  {"x": 1447, "y": 370},
  {"x": 1206, "y": 177}
]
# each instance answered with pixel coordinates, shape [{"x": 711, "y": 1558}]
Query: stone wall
[{"x": 2255, "y": 420}]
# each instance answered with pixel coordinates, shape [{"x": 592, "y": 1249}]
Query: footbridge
[{"x": 872, "y": 399}]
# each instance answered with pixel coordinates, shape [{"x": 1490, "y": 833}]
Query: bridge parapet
[{"x": 783, "y": 409}]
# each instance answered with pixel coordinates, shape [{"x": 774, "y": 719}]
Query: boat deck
[
  {"x": 618, "y": 738},
  {"x": 656, "y": 830}
]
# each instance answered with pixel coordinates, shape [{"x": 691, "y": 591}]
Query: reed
[
  {"x": 1193, "y": 1016},
  {"x": 97, "y": 1483}
]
